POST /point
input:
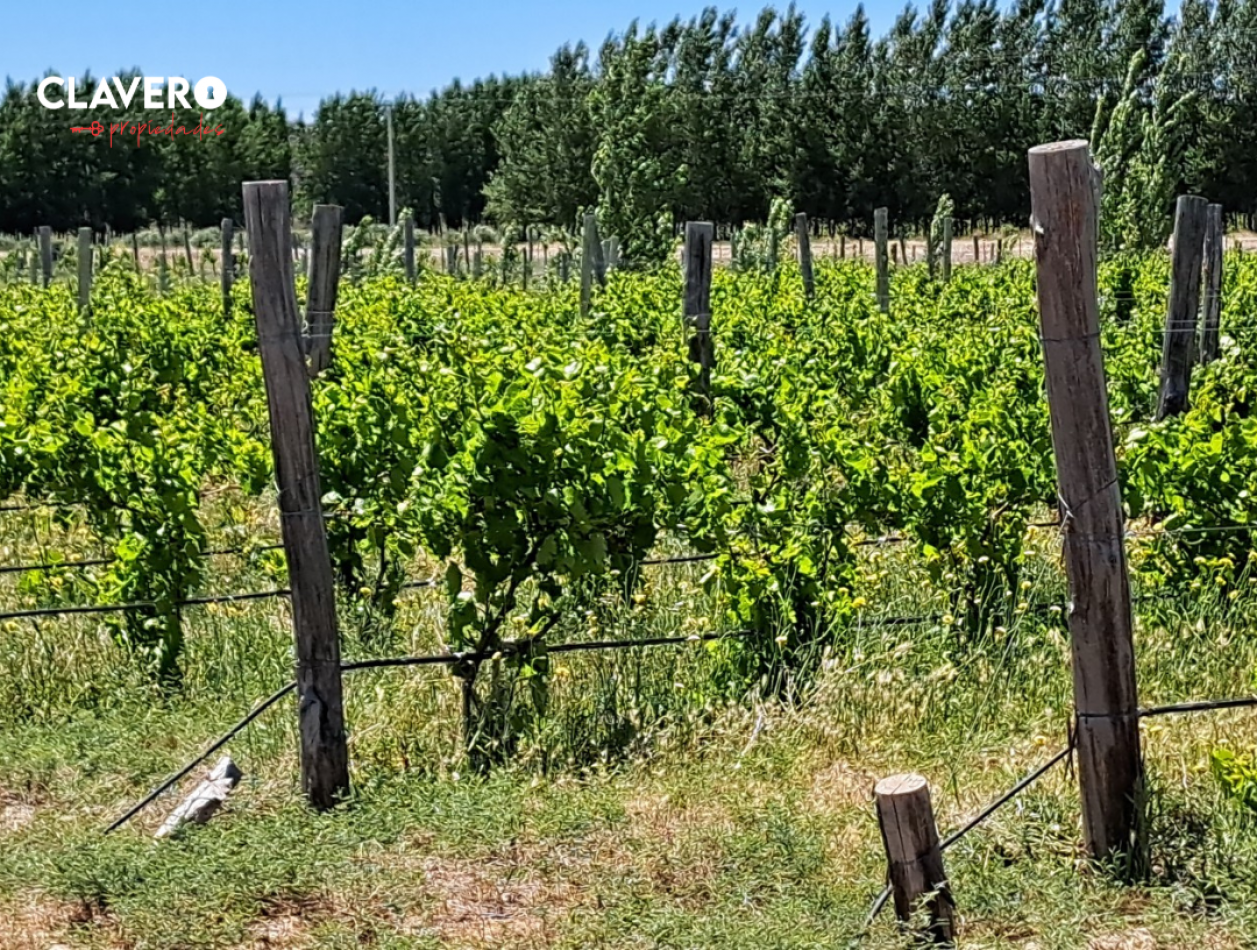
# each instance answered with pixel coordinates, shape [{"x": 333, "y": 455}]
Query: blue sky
[{"x": 304, "y": 51}]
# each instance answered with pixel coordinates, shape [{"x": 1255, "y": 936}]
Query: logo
[
  {"x": 159, "y": 92},
  {"x": 208, "y": 93}
]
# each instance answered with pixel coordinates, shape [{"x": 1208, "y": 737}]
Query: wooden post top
[
  {"x": 1069, "y": 145},
  {"x": 908, "y": 783}
]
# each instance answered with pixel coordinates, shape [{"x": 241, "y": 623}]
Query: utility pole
[{"x": 392, "y": 173}]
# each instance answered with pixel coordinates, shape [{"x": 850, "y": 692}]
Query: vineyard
[{"x": 830, "y": 553}]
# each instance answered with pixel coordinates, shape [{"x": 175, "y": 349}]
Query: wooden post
[
  {"x": 977, "y": 250},
  {"x": 135, "y": 250},
  {"x": 599, "y": 259},
  {"x": 163, "y": 273},
  {"x": 842, "y": 246},
  {"x": 1064, "y": 221},
  {"x": 1178, "y": 348},
  {"x": 903, "y": 251},
  {"x": 1212, "y": 285},
  {"x": 45, "y": 253},
  {"x": 913, "y": 856},
  {"x": 587, "y": 263},
  {"x": 947, "y": 226},
  {"x": 883, "y": 265},
  {"x": 85, "y": 268},
  {"x": 187, "y": 251},
  {"x": 805, "y": 253},
  {"x": 324, "y": 753},
  {"x": 226, "y": 265},
  {"x": 408, "y": 247},
  {"x": 324, "y": 279},
  {"x": 697, "y": 312}
]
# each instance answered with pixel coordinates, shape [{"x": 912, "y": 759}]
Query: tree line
[{"x": 709, "y": 118}]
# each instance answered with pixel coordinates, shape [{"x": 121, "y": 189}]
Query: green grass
[{"x": 652, "y": 808}]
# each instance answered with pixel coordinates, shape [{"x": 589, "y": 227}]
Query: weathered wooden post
[
  {"x": 913, "y": 855},
  {"x": 1179, "y": 345},
  {"x": 946, "y": 251},
  {"x": 1064, "y": 221},
  {"x": 880, "y": 256},
  {"x": 323, "y": 282},
  {"x": 85, "y": 268},
  {"x": 903, "y": 251},
  {"x": 697, "y": 312},
  {"x": 1212, "y": 285},
  {"x": 977, "y": 250},
  {"x": 408, "y": 247},
  {"x": 599, "y": 259},
  {"x": 45, "y": 253},
  {"x": 226, "y": 265},
  {"x": 135, "y": 251},
  {"x": 588, "y": 253},
  {"x": 324, "y": 752},
  {"x": 842, "y": 247},
  {"x": 805, "y": 253},
  {"x": 163, "y": 271}
]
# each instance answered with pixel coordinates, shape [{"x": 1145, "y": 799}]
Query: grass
[{"x": 656, "y": 806}]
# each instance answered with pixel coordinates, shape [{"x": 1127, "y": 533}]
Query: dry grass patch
[
  {"x": 286, "y": 924},
  {"x": 34, "y": 921},
  {"x": 501, "y": 901}
]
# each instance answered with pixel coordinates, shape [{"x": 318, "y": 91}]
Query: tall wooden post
[
  {"x": 1179, "y": 345},
  {"x": 589, "y": 251},
  {"x": 408, "y": 247},
  {"x": 324, "y": 753},
  {"x": 85, "y": 268},
  {"x": 135, "y": 251},
  {"x": 842, "y": 247},
  {"x": 1212, "y": 285},
  {"x": 914, "y": 857},
  {"x": 883, "y": 263},
  {"x": 163, "y": 267},
  {"x": 324, "y": 279},
  {"x": 697, "y": 312},
  {"x": 805, "y": 253},
  {"x": 45, "y": 253},
  {"x": 226, "y": 265},
  {"x": 1064, "y": 221},
  {"x": 599, "y": 258},
  {"x": 946, "y": 251}
]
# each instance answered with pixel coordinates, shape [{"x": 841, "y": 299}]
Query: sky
[{"x": 302, "y": 52}]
